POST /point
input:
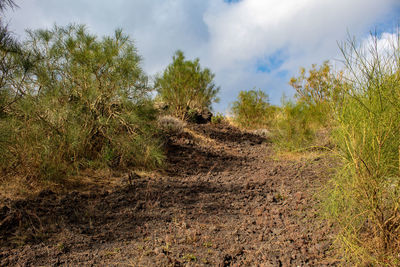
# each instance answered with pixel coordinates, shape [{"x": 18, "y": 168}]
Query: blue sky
[
  {"x": 231, "y": 1},
  {"x": 246, "y": 43}
]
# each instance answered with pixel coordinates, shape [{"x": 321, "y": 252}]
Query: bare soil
[{"x": 225, "y": 199}]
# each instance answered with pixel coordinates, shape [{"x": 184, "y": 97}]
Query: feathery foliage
[
  {"x": 85, "y": 103},
  {"x": 252, "y": 109},
  {"x": 318, "y": 86},
  {"x": 364, "y": 199},
  {"x": 10, "y": 54},
  {"x": 4, "y": 4},
  {"x": 307, "y": 120},
  {"x": 186, "y": 87},
  {"x": 297, "y": 124}
]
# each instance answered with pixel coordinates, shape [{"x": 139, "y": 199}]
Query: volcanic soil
[{"x": 224, "y": 199}]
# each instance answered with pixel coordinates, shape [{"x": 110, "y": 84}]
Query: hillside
[{"x": 225, "y": 199}]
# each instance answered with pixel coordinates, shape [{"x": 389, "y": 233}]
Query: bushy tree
[
  {"x": 319, "y": 85},
  {"x": 306, "y": 121},
  {"x": 185, "y": 86},
  {"x": 252, "y": 109},
  {"x": 10, "y": 54},
  {"x": 85, "y": 104},
  {"x": 6, "y": 3}
]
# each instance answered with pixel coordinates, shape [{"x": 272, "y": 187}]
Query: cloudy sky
[{"x": 246, "y": 43}]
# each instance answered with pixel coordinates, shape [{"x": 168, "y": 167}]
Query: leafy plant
[
  {"x": 10, "y": 55},
  {"x": 6, "y": 3},
  {"x": 185, "y": 86}
]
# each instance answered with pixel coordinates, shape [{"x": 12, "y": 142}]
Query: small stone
[{"x": 298, "y": 196}]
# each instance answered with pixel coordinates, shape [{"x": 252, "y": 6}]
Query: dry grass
[
  {"x": 86, "y": 181},
  {"x": 171, "y": 125},
  {"x": 282, "y": 155},
  {"x": 200, "y": 138},
  {"x": 262, "y": 132}
]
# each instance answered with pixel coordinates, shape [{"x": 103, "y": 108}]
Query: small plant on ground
[
  {"x": 217, "y": 118},
  {"x": 171, "y": 124},
  {"x": 189, "y": 257}
]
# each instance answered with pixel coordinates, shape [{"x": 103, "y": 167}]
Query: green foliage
[
  {"x": 252, "y": 109},
  {"x": 217, "y": 118},
  {"x": 307, "y": 121},
  {"x": 364, "y": 197},
  {"x": 297, "y": 124},
  {"x": 185, "y": 86},
  {"x": 10, "y": 54},
  {"x": 84, "y": 103},
  {"x": 319, "y": 86}
]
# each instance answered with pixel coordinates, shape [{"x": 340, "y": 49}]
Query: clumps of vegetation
[
  {"x": 252, "y": 110},
  {"x": 186, "y": 89},
  {"x": 306, "y": 121},
  {"x": 357, "y": 113},
  {"x": 10, "y": 55},
  {"x": 364, "y": 197},
  {"x": 217, "y": 118},
  {"x": 296, "y": 125},
  {"x": 75, "y": 102},
  {"x": 262, "y": 132},
  {"x": 319, "y": 87},
  {"x": 171, "y": 125}
]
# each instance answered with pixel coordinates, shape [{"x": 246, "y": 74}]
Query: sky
[{"x": 246, "y": 43}]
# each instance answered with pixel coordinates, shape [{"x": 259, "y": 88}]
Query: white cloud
[
  {"x": 308, "y": 31},
  {"x": 251, "y": 28},
  {"x": 373, "y": 50},
  {"x": 228, "y": 38}
]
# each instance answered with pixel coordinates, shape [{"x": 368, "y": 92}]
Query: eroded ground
[{"x": 225, "y": 200}]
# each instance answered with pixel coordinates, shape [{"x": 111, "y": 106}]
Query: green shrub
[
  {"x": 10, "y": 57},
  {"x": 364, "y": 197},
  {"x": 186, "y": 88},
  {"x": 217, "y": 118},
  {"x": 307, "y": 120},
  {"x": 252, "y": 109},
  {"x": 85, "y": 104},
  {"x": 318, "y": 86},
  {"x": 297, "y": 124}
]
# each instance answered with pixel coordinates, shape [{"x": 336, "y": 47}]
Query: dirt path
[{"x": 224, "y": 201}]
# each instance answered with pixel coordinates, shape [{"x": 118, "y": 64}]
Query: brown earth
[{"x": 225, "y": 200}]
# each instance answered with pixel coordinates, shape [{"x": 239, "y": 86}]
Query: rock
[
  {"x": 226, "y": 261},
  {"x": 45, "y": 193},
  {"x": 298, "y": 196},
  {"x": 199, "y": 117}
]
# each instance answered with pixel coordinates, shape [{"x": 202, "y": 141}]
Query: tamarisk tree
[{"x": 185, "y": 86}]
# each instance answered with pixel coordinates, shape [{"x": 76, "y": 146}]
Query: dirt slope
[{"x": 223, "y": 201}]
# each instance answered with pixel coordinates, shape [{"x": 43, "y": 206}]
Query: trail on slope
[{"x": 223, "y": 200}]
